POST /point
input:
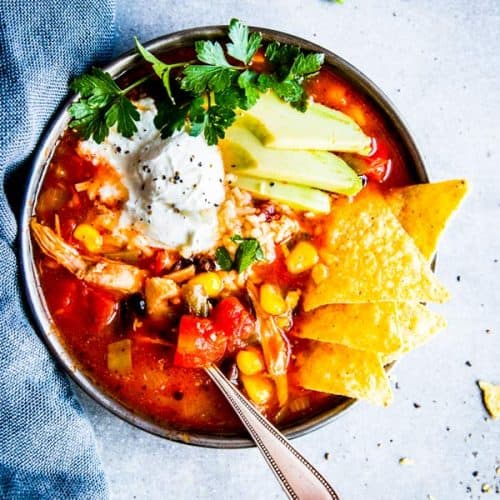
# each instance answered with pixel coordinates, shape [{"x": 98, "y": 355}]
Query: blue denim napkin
[{"x": 47, "y": 446}]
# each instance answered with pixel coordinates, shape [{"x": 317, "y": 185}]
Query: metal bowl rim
[{"x": 40, "y": 162}]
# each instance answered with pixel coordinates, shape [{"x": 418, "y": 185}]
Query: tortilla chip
[
  {"x": 416, "y": 325},
  {"x": 371, "y": 258},
  {"x": 491, "y": 397},
  {"x": 424, "y": 210},
  {"x": 367, "y": 327},
  {"x": 337, "y": 369}
]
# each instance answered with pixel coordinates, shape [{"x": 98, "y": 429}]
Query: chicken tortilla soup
[{"x": 238, "y": 203}]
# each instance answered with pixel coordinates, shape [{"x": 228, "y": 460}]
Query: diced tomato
[
  {"x": 378, "y": 163},
  {"x": 68, "y": 225},
  {"x": 160, "y": 261},
  {"x": 235, "y": 321},
  {"x": 64, "y": 297},
  {"x": 276, "y": 272},
  {"x": 71, "y": 297},
  {"x": 102, "y": 307},
  {"x": 200, "y": 343},
  {"x": 81, "y": 169}
]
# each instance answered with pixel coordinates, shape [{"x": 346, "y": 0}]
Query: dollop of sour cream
[{"x": 175, "y": 185}]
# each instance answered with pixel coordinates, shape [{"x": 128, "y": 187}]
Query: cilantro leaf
[
  {"x": 214, "y": 89},
  {"x": 288, "y": 90},
  {"x": 124, "y": 114},
  {"x": 97, "y": 82},
  {"x": 248, "y": 81},
  {"x": 199, "y": 79},
  {"x": 290, "y": 62},
  {"x": 197, "y": 116},
  {"x": 90, "y": 122},
  {"x": 232, "y": 97},
  {"x": 243, "y": 46},
  {"x": 211, "y": 53},
  {"x": 248, "y": 252},
  {"x": 191, "y": 115},
  {"x": 281, "y": 56},
  {"x": 218, "y": 119},
  {"x": 170, "y": 118},
  {"x": 304, "y": 65},
  {"x": 161, "y": 69},
  {"x": 223, "y": 259},
  {"x": 291, "y": 67},
  {"x": 102, "y": 104},
  {"x": 302, "y": 102}
]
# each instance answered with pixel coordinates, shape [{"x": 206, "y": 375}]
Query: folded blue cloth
[{"x": 47, "y": 446}]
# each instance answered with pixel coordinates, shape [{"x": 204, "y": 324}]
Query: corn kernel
[
  {"x": 89, "y": 236},
  {"x": 271, "y": 299},
  {"x": 259, "y": 388},
  {"x": 284, "y": 322},
  {"x": 319, "y": 273},
  {"x": 302, "y": 257},
  {"x": 250, "y": 361},
  {"x": 210, "y": 281},
  {"x": 292, "y": 299}
]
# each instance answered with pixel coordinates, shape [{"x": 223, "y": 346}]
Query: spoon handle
[{"x": 299, "y": 479}]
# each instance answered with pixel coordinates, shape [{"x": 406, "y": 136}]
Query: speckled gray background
[{"x": 439, "y": 61}]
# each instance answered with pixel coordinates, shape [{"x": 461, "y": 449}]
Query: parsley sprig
[
  {"x": 209, "y": 91},
  {"x": 102, "y": 104}
]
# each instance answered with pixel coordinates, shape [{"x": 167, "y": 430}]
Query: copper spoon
[{"x": 298, "y": 478}]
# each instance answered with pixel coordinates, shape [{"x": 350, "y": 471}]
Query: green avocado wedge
[
  {"x": 293, "y": 195},
  {"x": 279, "y": 125},
  {"x": 244, "y": 154}
]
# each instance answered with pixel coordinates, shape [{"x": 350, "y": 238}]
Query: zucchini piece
[
  {"x": 244, "y": 154},
  {"x": 293, "y": 195}
]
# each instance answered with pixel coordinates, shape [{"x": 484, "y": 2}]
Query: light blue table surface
[{"x": 439, "y": 62}]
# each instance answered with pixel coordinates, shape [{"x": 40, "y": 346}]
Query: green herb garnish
[
  {"x": 101, "y": 105},
  {"x": 161, "y": 69},
  {"x": 243, "y": 45},
  {"x": 211, "y": 88},
  {"x": 223, "y": 259},
  {"x": 248, "y": 252},
  {"x": 291, "y": 68}
]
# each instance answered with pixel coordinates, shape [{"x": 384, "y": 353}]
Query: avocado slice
[
  {"x": 244, "y": 154},
  {"x": 279, "y": 125},
  {"x": 293, "y": 195}
]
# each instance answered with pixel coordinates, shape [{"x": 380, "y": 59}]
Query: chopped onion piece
[{"x": 120, "y": 357}]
